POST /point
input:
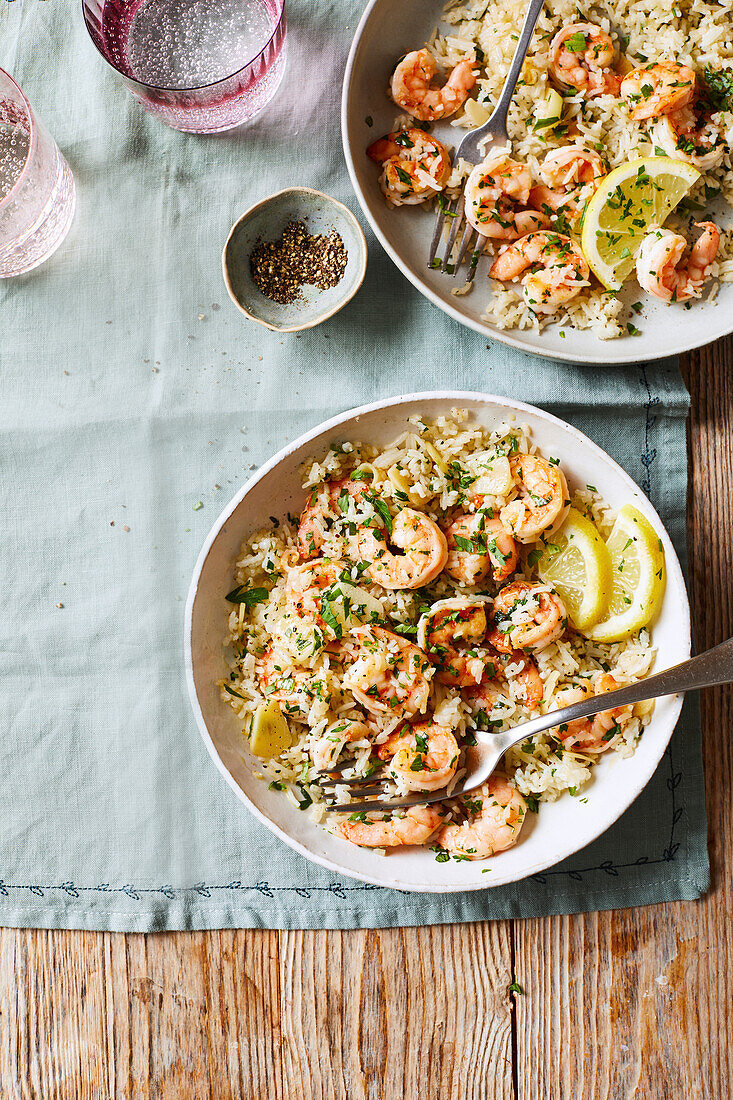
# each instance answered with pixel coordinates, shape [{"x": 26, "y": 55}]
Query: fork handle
[
  {"x": 706, "y": 670},
  {"x": 501, "y": 110}
]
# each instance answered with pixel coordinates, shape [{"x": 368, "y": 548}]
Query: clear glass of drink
[
  {"x": 200, "y": 65},
  {"x": 37, "y": 194}
]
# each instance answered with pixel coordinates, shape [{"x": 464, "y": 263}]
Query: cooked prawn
[
  {"x": 658, "y": 89},
  {"x": 557, "y": 269},
  {"x": 479, "y": 545},
  {"x": 497, "y": 814},
  {"x": 570, "y": 177},
  {"x": 462, "y": 619},
  {"x": 296, "y": 689},
  {"x": 581, "y": 59},
  {"x": 594, "y": 734},
  {"x": 690, "y": 134},
  {"x": 426, "y": 757},
  {"x": 413, "y": 89},
  {"x": 423, "y": 543},
  {"x": 415, "y": 166},
  {"x": 662, "y": 270},
  {"x": 325, "y": 505},
  {"x": 542, "y": 503},
  {"x": 497, "y": 197},
  {"x": 386, "y": 749},
  {"x": 440, "y": 632},
  {"x": 485, "y": 696},
  {"x": 527, "y": 615},
  {"x": 305, "y": 586},
  {"x": 324, "y": 752},
  {"x": 390, "y": 674},
  {"x": 416, "y": 827}
]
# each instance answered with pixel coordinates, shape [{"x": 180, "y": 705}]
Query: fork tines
[
  {"x": 455, "y": 250},
  {"x": 355, "y": 781},
  {"x": 384, "y": 803},
  {"x": 455, "y": 213},
  {"x": 356, "y": 787}
]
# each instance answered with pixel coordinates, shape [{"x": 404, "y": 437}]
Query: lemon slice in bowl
[
  {"x": 629, "y": 199},
  {"x": 577, "y": 564},
  {"x": 270, "y": 734},
  {"x": 638, "y": 577}
]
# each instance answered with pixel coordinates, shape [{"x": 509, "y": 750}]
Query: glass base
[
  {"x": 41, "y": 240},
  {"x": 218, "y": 118}
]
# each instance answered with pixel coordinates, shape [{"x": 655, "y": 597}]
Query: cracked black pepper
[{"x": 280, "y": 269}]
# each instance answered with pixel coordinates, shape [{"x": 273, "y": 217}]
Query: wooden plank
[
  {"x": 227, "y": 1015},
  {"x": 55, "y": 1038},
  {"x": 210, "y": 1023},
  {"x": 637, "y": 1002},
  {"x": 399, "y": 1012},
  {"x": 98, "y": 1015}
]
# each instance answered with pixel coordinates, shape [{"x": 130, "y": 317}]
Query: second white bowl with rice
[
  {"x": 645, "y": 327},
  {"x": 562, "y": 827}
]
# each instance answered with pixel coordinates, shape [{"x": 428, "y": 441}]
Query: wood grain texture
[
  {"x": 638, "y": 1002},
  {"x": 633, "y": 1003},
  {"x": 398, "y": 1012}
]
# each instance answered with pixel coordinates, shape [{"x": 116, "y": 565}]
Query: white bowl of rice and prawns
[
  {"x": 404, "y": 581},
  {"x": 609, "y": 216}
]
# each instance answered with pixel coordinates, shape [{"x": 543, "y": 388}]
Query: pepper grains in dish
[
  {"x": 621, "y": 131},
  {"x": 280, "y": 269},
  {"x": 431, "y": 592}
]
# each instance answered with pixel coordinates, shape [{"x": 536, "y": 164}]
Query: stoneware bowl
[
  {"x": 561, "y": 827},
  {"x": 265, "y": 221}
]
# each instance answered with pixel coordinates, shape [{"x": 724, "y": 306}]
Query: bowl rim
[
  {"x": 612, "y": 355},
  {"x": 674, "y": 578},
  {"x": 363, "y": 251}
]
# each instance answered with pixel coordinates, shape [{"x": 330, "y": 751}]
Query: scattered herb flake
[{"x": 248, "y": 596}]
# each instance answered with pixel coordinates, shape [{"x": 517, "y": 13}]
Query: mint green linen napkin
[{"x": 135, "y": 400}]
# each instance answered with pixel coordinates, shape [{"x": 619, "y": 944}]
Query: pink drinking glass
[
  {"x": 216, "y": 73},
  {"x": 37, "y": 194}
]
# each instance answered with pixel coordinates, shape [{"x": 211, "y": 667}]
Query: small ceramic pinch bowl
[{"x": 265, "y": 221}]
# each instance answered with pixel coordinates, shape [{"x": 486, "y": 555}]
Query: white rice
[
  {"x": 423, "y": 458},
  {"x": 692, "y": 32}
]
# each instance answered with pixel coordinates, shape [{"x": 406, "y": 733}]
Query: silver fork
[
  {"x": 706, "y": 670},
  {"x": 494, "y": 128}
]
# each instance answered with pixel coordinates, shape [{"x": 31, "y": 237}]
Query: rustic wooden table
[{"x": 618, "y": 1004}]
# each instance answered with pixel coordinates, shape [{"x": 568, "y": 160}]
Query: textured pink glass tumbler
[
  {"x": 36, "y": 186},
  {"x": 201, "y": 66}
]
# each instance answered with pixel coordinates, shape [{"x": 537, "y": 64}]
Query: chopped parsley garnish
[
  {"x": 248, "y": 596},
  {"x": 329, "y": 618},
  {"x": 576, "y": 43},
  {"x": 381, "y": 508},
  {"x": 719, "y": 88},
  {"x": 231, "y": 691},
  {"x": 305, "y": 801}
]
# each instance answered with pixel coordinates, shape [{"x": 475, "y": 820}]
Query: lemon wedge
[
  {"x": 638, "y": 577},
  {"x": 270, "y": 734},
  {"x": 577, "y": 564},
  {"x": 629, "y": 199}
]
